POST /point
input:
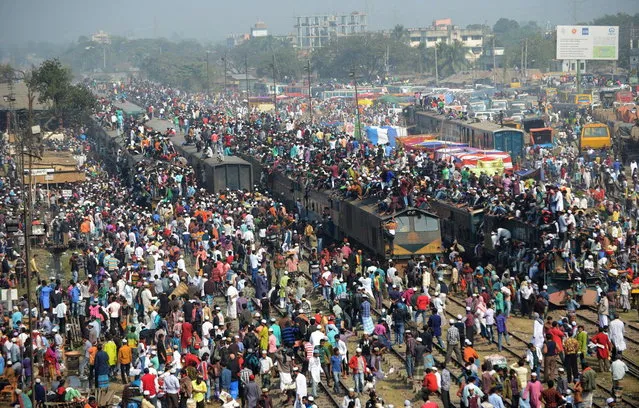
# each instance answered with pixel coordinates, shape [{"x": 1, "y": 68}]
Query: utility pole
[
  {"x": 494, "y": 64},
  {"x": 359, "y": 125},
  {"x": 274, "y": 88},
  {"x": 225, "y": 71},
  {"x": 208, "y": 80},
  {"x": 248, "y": 103},
  {"x": 436, "y": 67},
  {"x": 526, "y": 61},
  {"x": 310, "y": 97},
  {"x": 27, "y": 148},
  {"x": 521, "y": 63}
]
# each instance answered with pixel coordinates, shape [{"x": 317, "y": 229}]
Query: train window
[
  {"x": 423, "y": 224},
  {"x": 403, "y": 224}
]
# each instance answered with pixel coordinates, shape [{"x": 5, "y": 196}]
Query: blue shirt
[
  {"x": 496, "y": 401},
  {"x": 225, "y": 379},
  {"x": 336, "y": 364},
  {"x": 45, "y": 292}
]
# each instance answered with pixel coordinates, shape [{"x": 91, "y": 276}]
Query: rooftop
[{"x": 20, "y": 93}]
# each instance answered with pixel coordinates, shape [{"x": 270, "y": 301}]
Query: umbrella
[{"x": 389, "y": 99}]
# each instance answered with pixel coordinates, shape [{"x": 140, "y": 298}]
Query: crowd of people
[{"x": 184, "y": 296}]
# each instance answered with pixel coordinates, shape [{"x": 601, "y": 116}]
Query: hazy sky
[{"x": 65, "y": 20}]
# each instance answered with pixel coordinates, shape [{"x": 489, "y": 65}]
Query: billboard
[{"x": 588, "y": 43}]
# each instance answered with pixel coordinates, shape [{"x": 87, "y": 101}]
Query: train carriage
[{"x": 482, "y": 135}]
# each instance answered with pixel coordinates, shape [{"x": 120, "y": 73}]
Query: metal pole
[
  {"x": 494, "y": 65},
  {"x": 436, "y": 66},
  {"x": 578, "y": 76},
  {"x": 225, "y": 71},
  {"x": 274, "y": 88},
  {"x": 359, "y": 125},
  {"x": 248, "y": 103},
  {"x": 310, "y": 97},
  {"x": 208, "y": 81},
  {"x": 526, "y": 61}
]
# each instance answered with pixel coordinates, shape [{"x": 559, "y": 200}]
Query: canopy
[
  {"x": 438, "y": 144},
  {"x": 384, "y": 134},
  {"x": 389, "y": 99},
  {"x": 411, "y": 141}
]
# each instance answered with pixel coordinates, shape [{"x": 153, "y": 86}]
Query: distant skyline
[{"x": 64, "y": 21}]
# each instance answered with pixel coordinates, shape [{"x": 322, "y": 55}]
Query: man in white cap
[
  {"x": 172, "y": 389},
  {"x": 357, "y": 364},
  {"x": 351, "y": 397},
  {"x": 453, "y": 340},
  {"x": 317, "y": 336},
  {"x": 610, "y": 401},
  {"x": 301, "y": 390}
]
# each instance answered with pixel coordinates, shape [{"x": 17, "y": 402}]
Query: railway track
[
  {"x": 325, "y": 398},
  {"x": 633, "y": 367},
  {"x": 607, "y": 392}
]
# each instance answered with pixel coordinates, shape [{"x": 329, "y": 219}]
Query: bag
[{"x": 190, "y": 403}]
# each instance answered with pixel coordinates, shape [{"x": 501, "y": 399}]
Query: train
[
  {"x": 418, "y": 231},
  {"x": 483, "y": 135}
]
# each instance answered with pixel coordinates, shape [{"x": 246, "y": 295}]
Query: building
[
  {"x": 233, "y": 40},
  {"x": 101, "y": 38},
  {"x": 443, "y": 31},
  {"x": 259, "y": 30},
  {"x": 318, "y": 31}
]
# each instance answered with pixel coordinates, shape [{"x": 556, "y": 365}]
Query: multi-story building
[
  {"x": 101, "y": 38},
  {"x": 443, "y": 31},
  {"x": 317, "y": 31},
  {"x": 259, "y": 30}
]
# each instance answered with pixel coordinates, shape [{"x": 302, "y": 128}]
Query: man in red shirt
[
  {"x": 604, "y": 346},
  {"x": 430, "y": 381},
  {"x": 427, "y": 403},
  {"x": 149, "y": 383},
  {"x": 422, "y": 304}
]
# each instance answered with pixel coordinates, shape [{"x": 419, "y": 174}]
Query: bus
[
  {"x": 595, "y": 136},
  {"x": 582, "y": 99}
]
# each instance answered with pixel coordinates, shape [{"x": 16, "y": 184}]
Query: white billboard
[{"x": 588, "y": 43}]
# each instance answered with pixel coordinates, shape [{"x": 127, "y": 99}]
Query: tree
[
  {"x": 67, "y": 102},
  {"x": 6, "y": 73},
  {"x": 51, "y": 80},
  {"x": 504, "y": 26},
  {"x": 451, "y": 58}
]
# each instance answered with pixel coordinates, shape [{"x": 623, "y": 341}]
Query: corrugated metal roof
[{"x": 20, "y": 92}]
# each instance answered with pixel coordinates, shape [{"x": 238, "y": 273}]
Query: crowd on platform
[{"x": 184, "y": 296}]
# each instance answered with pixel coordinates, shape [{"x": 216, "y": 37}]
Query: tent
[
  {"x": 384, "y": 134},
  {"x": 409, "y": 142},
  {"x": 438, "y": 144}
]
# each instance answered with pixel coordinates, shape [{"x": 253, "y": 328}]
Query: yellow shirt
[
  {"x": 112, "y": 351},
  {"x": 199, "y": 391}
]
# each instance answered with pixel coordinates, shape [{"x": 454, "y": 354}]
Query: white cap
[
  {"x": 319, "y": 327},
  {"x": 452, "y": 321},
  {"x": 358, "y": 350},
  {"x": 610, "y": 400},
  {"x": 545, "y": 287},
  {"x": 407, "y": 403},
  {"x": 469, "y": 342}
]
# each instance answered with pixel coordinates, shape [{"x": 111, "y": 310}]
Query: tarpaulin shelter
[
  {"x": 438, "y": 144},
  {"x": 409, "y": 142},
  {"x": 384, "y": 134}
]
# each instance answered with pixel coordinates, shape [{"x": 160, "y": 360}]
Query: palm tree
[
  {"x": 451, "y": 58},
  {"x": 399, "y": 34}
]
